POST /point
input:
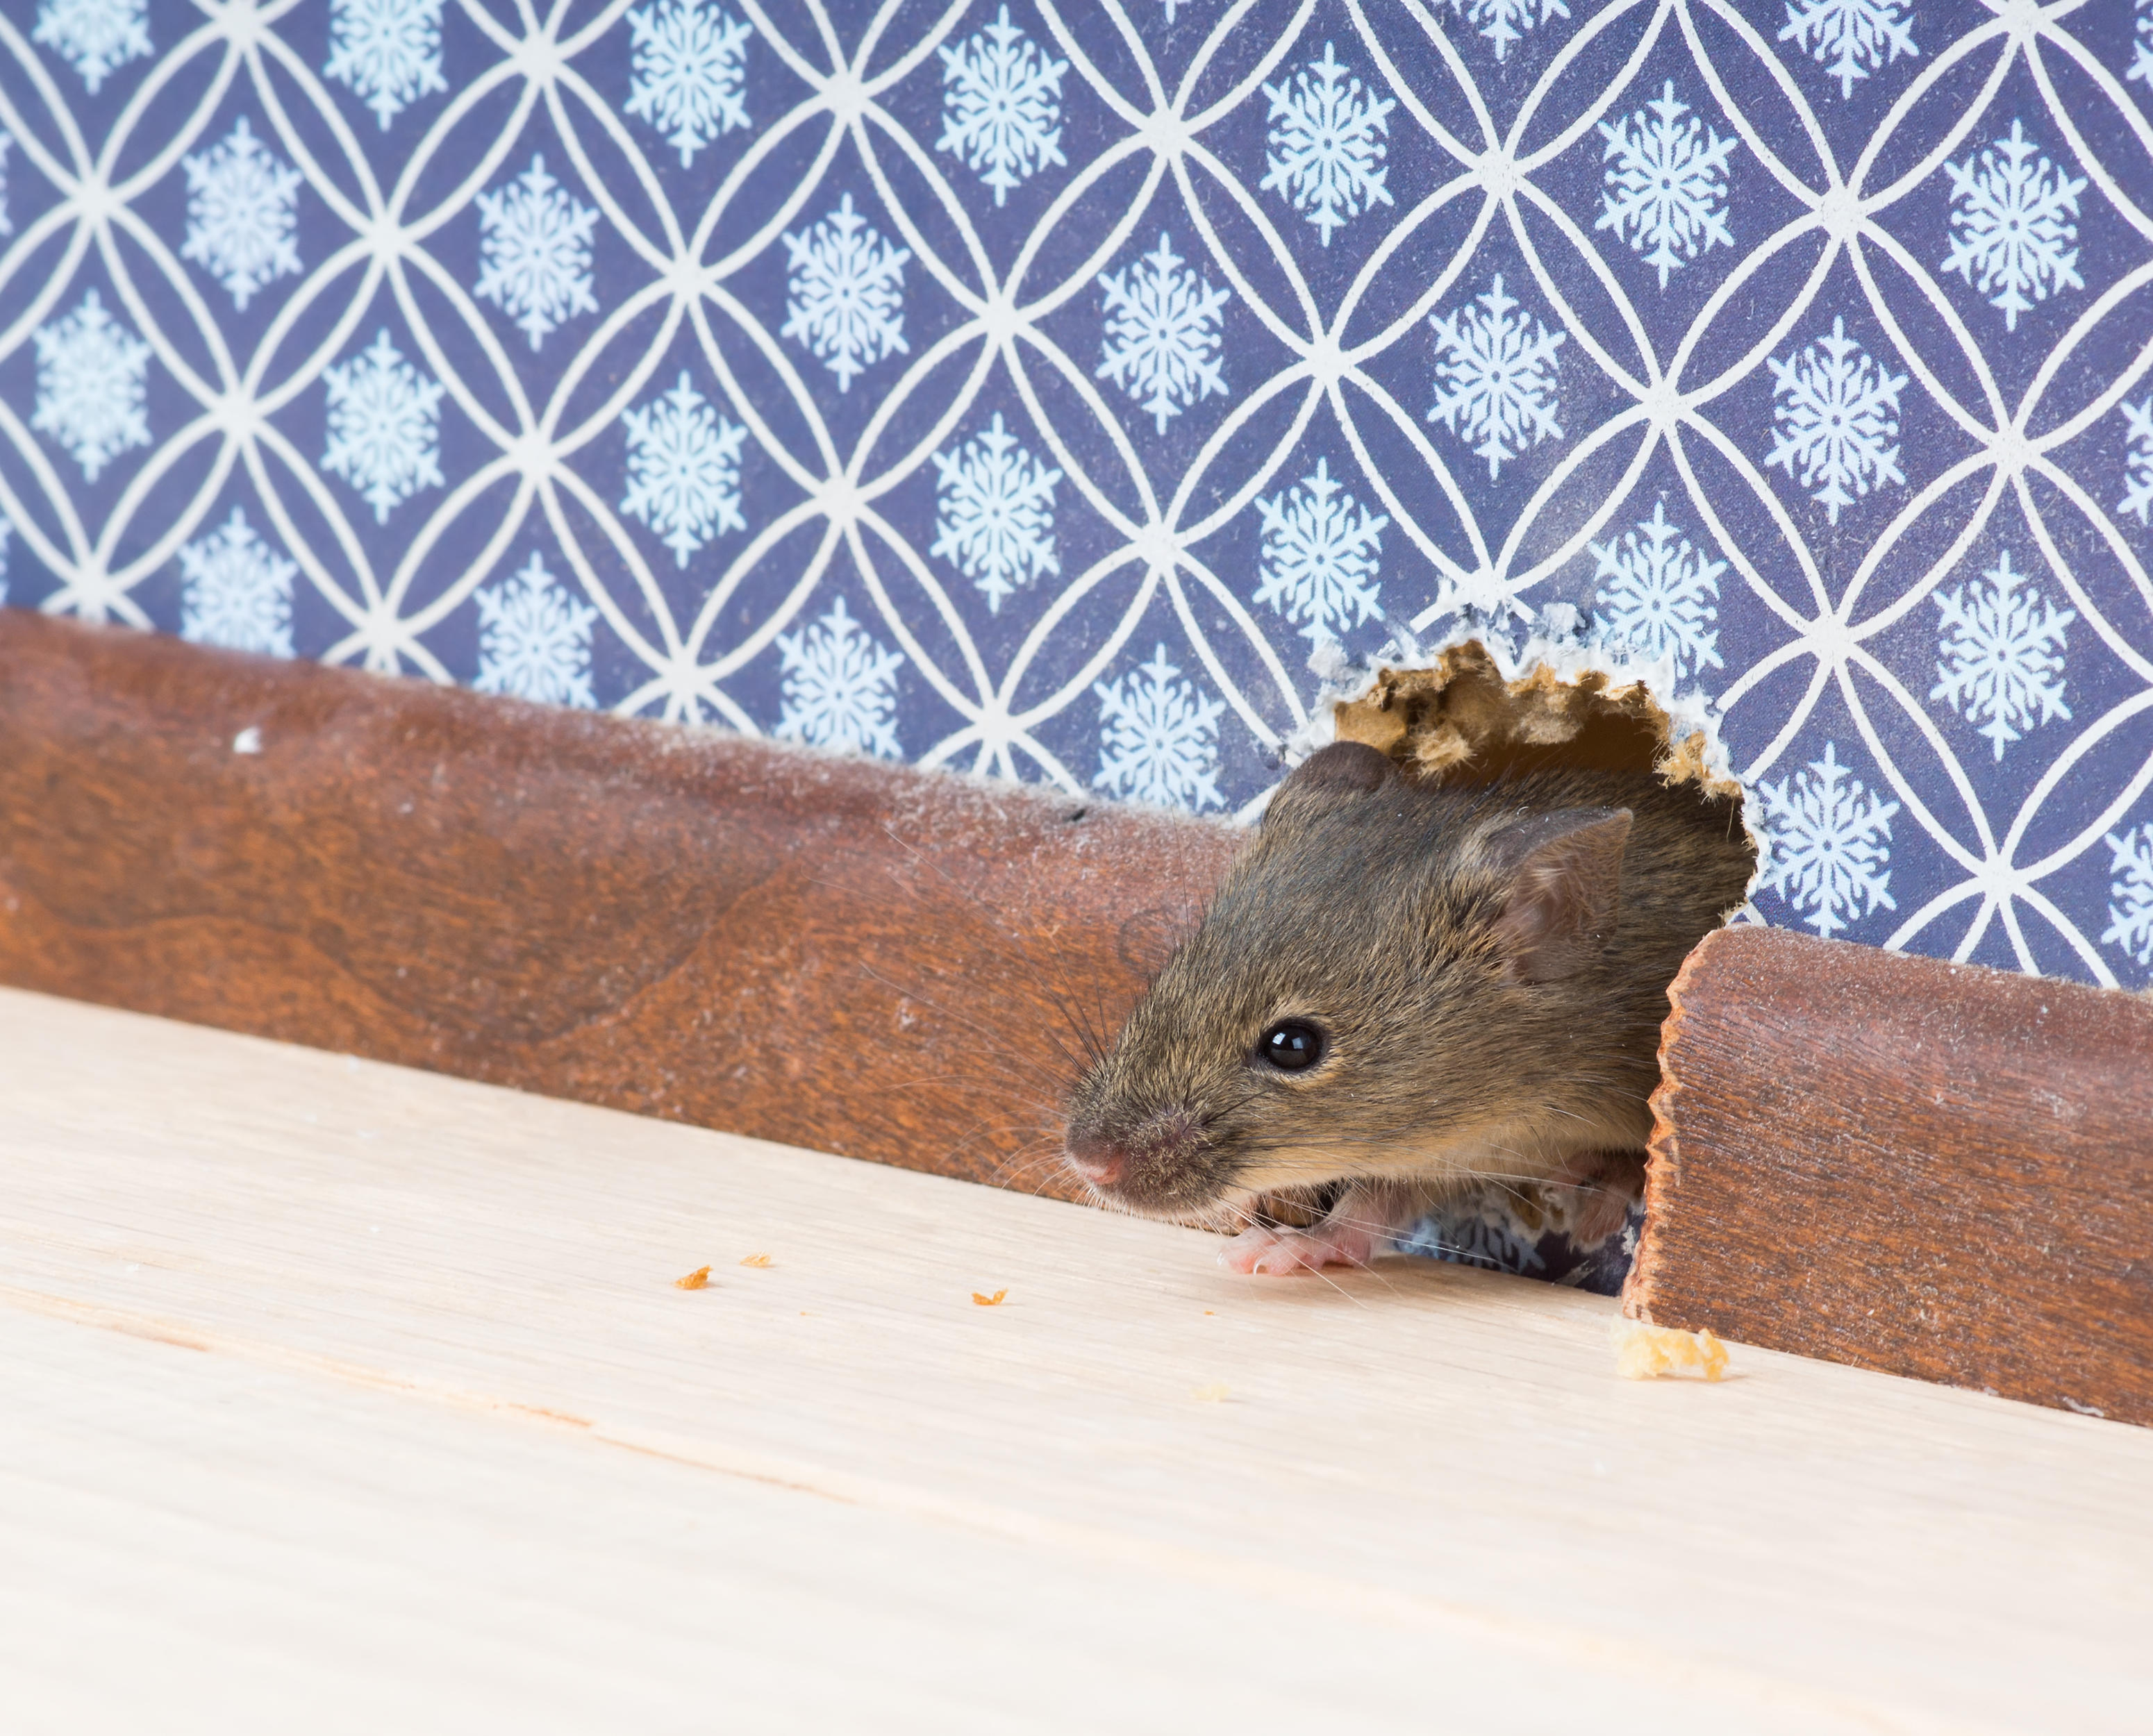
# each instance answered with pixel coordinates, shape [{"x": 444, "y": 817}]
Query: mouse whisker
[
  {"x": 1325, "y": 1277},
  {"x": 1043, "y": 1153},
  {"x": 1032, "y": 1178},
  {"x": 955, "y": 1152},
  {"x": 1090, "y": 1023},
  {"x": 1089, "y": 1033},
  {"x": 968, "y": 1081},
  {"x": 992, "y": 1039}
]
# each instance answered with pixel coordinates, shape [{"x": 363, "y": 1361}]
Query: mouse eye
[{"x": 1291, "y": 1046}]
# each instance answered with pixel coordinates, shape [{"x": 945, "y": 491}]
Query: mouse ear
[
  {"x": 1565, "y": 872},
  {"x": 1342, "y": 770}
]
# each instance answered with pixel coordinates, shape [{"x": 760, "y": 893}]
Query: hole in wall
[
  {"x": 1459, "y": 719},
  {"x": 1470, "y": 714}
]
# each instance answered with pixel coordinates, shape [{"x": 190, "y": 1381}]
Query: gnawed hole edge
[{"x": 1472, "y": 712}]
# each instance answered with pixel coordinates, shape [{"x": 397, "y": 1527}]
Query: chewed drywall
[{"x": 1476, "y": 708}]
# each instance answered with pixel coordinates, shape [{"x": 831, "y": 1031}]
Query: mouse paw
[
  {"x": 1277, "y": 1252},
  {"x": 1606, "y": 1185}
]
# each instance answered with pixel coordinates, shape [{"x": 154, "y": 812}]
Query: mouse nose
[{"x": 1099, "y": 1160}]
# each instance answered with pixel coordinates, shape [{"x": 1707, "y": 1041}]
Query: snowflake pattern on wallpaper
[
  {"x": 1505, "y": 21},
  {"x": 2012, "y": 225},
  {"x": 846, "y": 296},
  {"x": 2130, "y": 894},
  {"x": 90, "y": 374},
  {"x": 1003, "y": 108},
  {"x": 2000, "y": 662},
  {"x": 1827, "y": 844},
  {"x": 95, "y": 37},
  {"x": 1162, "y": 333},
  {"x": 995, "y": 521},
  {"x": 840, "y": 686},
  {"x": 1040, "y": 389},
  {"x": 1158, "y": 737},
  {"x": 536, "y": 249},
  {"x": 1666, "y": 184},
  {"x": 387, "y": 51},
  {"x": 2138, "y": 464},
  {"x": 236, "y": 591},
  {"x": 1320, "y": 548},
  {"x": 1852, "y": 37},
  {"x": 1495, "y": 377},
  {"x": 691, "y": 73},
  {"x": 241, "y": 213},
  {"x": 1659, "y": 596},
  {"x": 684, "y": 462},
  {"x": 383, "y": 420},
  {"x": 1835, "y": 416},
  {"x": 1327, "y": 143},
  {"x": 535, "y": 640}
]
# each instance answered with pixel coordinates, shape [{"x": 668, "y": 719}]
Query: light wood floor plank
[{"x": 346, "y": 1390}]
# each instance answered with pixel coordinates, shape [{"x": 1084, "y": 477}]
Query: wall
[{"x": 1036, "y": 389}]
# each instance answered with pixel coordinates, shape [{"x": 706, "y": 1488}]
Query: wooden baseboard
[
  {"x": 866, "y": 959},
  {"x": 1933, "y": 1169}
]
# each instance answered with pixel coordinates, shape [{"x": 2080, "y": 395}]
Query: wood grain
[
  {"x": 1930, "y": 1170},
  {"x": 864, "y": 958},
  {"x": 1933, "y": 1169},
  {"x": 345, "y": 1397}
]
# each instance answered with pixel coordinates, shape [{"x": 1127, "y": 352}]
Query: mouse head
[{"x": 1387, "y": 972}]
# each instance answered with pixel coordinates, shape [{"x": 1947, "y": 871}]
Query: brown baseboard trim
[
  {"x": 866, "y": 959},
  {"x": 1933, "y": 1169},
  {"x": 1936, "y": 1171}
]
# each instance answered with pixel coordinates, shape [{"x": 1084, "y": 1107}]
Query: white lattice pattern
[{"x": 1037, "y": 388}]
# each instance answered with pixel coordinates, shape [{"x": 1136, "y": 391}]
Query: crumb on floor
[{"x": 1643, "y": 1352}]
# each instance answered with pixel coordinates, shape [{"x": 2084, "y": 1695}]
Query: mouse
[{"x": 1404, "y": 991}]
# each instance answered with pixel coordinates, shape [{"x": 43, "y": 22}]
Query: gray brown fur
[{"x": 1377, "y": 913}]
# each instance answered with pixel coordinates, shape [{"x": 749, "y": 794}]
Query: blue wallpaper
[{"x": 1036, "y": 389}]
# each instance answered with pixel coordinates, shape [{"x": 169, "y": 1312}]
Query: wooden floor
[{"x": 343, "y": 1397}]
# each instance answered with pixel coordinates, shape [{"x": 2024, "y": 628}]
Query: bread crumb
[
  {"x": 1643, "y": 1352},
  {"x": 1211, "y": 1395},
  {"x": 988, "y": 1301},
  {"x": 695, "y": 1281},
  {"x": 757, "y": 1260}
]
